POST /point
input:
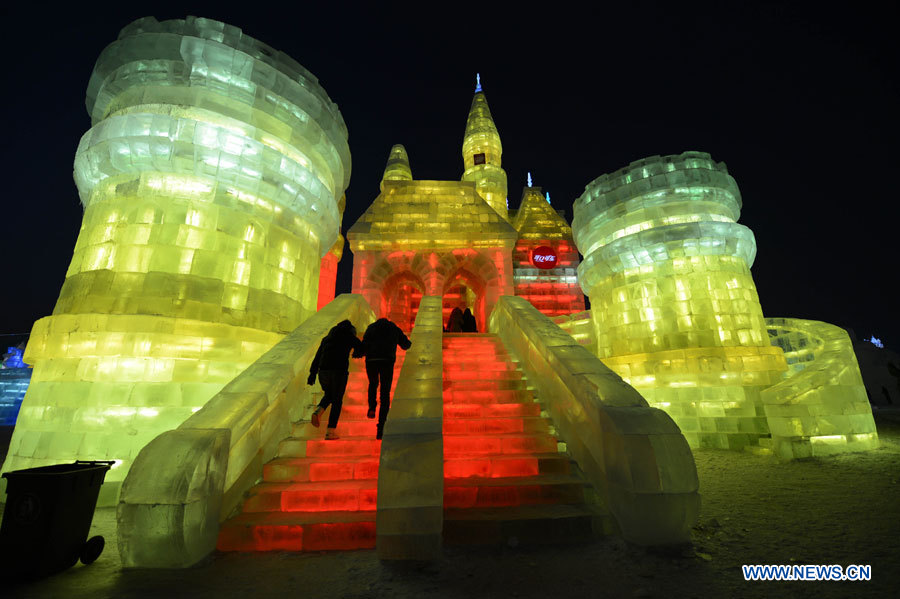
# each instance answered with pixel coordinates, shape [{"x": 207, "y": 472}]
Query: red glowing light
[{"x": 544, "y": 257}]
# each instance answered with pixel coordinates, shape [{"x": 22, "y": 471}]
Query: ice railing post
[
  {"x": 822, "y": 407},
  {"x": 410, "y": 514},
  {"x": 633, "y": 454},
  {"x": 187, "y": 480}
]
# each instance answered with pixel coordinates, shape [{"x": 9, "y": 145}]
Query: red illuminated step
[
  {"x": 485, "y": 384},
  {"x": 457, "y": 409},
  {"x": 506, "y": 466},
  {"x": 483, "y": 426},
  {"x": 454, "y": 395},
  {"x": 498, "y": 492},
  {"x": 297, "y": 531},
  {"x": 462, "y": 445},
  {"x": 336, "y": 496},
  {"x": 282, "y": 470},
  {"x": 343, "y": 447}
]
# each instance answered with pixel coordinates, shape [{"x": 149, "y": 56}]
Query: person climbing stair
[
  {"x": 332, "y": 363},
  {"x": 380, "y": 343}
]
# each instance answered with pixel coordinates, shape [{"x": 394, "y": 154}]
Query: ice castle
[{"x": 202, "y": 280}]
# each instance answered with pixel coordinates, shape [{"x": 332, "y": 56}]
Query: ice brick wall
[
  {"x": 822, "y": 408},
  {"x": 210, "y": 179},
  {"x": 13, "y": 384},
  {"x": 674, "y": 306}
]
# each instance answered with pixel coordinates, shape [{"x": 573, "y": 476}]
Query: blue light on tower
[
  {"x": 548, "y": 197},
  {"x": 529, "y": 179},
  {"x": 477, "y": 82}
]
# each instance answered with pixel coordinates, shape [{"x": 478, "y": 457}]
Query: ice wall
[
  {"x": 210, "y": 180},
  {"x": 822, "y": 408},
  {"x": 675, "y": 309},
  {"x": 186, "y": 481},
  {"x": 633, "y": 454}
]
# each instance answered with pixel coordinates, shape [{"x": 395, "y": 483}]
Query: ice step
[
  {"x": 335, "y": 496},
  {"x": 298, "y": 531},
  {"x": 343, "y": 447},
  {"x": 480, "y": 384},
  {"x": 506, "y": 466},
  {"x": 454, "y": 395},
  {"x": 521, "y": 525},
  {"x": 488, "y": 426},
  {"x": 496, "y": 410},
  {"x": 282, "y": 470},
  {"x": 502, "y": 444},
  {"x": 500, "y": 492}
]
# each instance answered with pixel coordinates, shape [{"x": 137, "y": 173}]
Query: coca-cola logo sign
[{"x": 543, "y": 257}]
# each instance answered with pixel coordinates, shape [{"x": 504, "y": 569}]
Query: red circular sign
[{"x": 543, "y": 257}]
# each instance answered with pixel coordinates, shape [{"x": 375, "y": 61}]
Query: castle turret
[
  {"x": 397, "y": 168},
  {"x": 482, "y": 151}
]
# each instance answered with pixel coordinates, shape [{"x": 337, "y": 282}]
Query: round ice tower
[
  {"x": 482, "y": 153},
  {"x": 675, "y": 309},
  {"x": 211, "y": 180}
]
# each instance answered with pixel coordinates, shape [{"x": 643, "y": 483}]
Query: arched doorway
[
  {"x": 464, "y": 290},
  {"x": 400, "y": 299}
]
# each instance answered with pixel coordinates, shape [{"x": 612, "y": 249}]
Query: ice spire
[
  {"x": 397, "y": 168},
  {"x": 548, "y": 197},
  {"x": 482, "y": 150},
  {"x": 477, "y": 82},
  {"x": 529, "y": 179}
]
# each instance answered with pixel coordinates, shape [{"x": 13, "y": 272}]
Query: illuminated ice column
[
  {"x": 675, "y": 308},
  {"x": 545, "y": 258},
  {"x": 210, "y": 181},
  {"x": 482, "y": 151}
]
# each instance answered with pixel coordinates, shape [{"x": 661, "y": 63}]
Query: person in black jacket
[
  {"x": 380, "y": 343},
  {"x": 469, "y": 325},
  {"x": 332, "y": 363}
]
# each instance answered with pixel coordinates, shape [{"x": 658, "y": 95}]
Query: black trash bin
[{"x": 48, "y": 517}]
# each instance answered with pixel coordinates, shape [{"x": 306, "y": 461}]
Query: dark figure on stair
[
  {"x": 332, "y": 363},
  {"x": 469, "y": 325},
  {"x": 455, "y": 322},
  {"x": 380, "y": 343}
]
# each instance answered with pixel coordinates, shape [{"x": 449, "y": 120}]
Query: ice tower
[
  {"x": 545, "y": 257},
  {"x": 211, "y": 180},
  {"x": 482, "y": 153},
  {"x": 674, "y": 306}
]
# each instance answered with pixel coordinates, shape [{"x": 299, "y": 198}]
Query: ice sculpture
[
  {"x": 823, "y": 407},
  {"x": 635, "y": 456},
  {"x": 545, "y": 257},
  {"x": 674, "y": 305},
  {"x": 423, "y": 238},
  {"x": 210, "y": 179},
  {"x": 482, "y": 153}
]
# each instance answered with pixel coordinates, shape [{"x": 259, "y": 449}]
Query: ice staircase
[
  {"x": 316, "y": 495},
  {"x": 505, "y": 479}
]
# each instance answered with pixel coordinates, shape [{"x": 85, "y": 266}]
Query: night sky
[{"x": 800, "y": 101}]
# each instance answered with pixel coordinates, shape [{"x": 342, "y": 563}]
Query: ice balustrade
[
  {"x": 822, "y": 407},
  {"x": 410, "y": 512},
  {"x": 580, "y": 326},
  {"x": 633, "y": 454},
  {"x": 187, "y": 480}
]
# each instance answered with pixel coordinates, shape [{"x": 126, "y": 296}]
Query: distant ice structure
[
  {"x": 676, "y": 314},
  {"x": 876, "y": 342}
]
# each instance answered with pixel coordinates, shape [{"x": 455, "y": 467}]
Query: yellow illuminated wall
[
  {"x": 210, "y": 180},
  {"x": 482, "y": 152},
  {"x": 423, "y": 238},
  {"x": 674, "y": 306}
]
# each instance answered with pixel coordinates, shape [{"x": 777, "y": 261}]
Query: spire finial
[
  {"x": 548, "y": 197},
  {"x": 477, "y": 82},
  {"x": 529, "y": 179}
]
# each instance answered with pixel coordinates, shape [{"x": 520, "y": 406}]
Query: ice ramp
[
  {"x": 634, "y": 455},
  {"x": 187, "y": 480}
]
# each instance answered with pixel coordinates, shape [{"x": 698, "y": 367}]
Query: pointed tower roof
[
  {"x": 397, "y": 168},
  {"x": 536, "y": 218},
  {"x": 480, "y": 123},
  {"x": 420, "y": 215}
]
